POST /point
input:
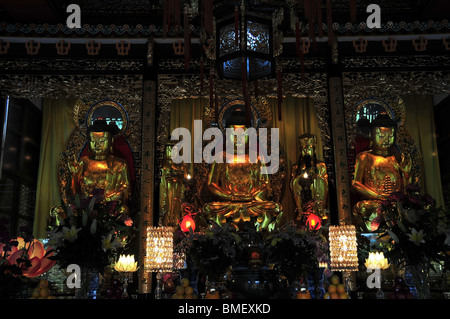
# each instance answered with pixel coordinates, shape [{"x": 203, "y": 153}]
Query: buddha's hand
[
  {"x": 240, "y": 198},
  {"x": 383, "y": 196},
  {"x": 406, "y": 162},
  {"x": 74, "y": 166}
]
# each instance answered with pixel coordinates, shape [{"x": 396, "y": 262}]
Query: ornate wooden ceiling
[{"x": 147, "y": 12}]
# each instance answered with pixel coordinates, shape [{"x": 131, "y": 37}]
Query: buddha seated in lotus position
[{"x": 241, "y": 190}]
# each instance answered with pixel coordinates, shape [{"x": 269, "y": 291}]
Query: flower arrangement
[
  {"x": 296, "y": 250},
  {"x": 90, "y": 233},
  {"x": 213, "y": 249},
  {"x": 21, "y": 257},
  {"x": 413, "y": 230}
]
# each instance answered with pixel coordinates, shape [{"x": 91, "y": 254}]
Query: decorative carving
[
  {"x": 4, "y": 46},
  {"x": 390, "y": 46},
  {"x": 305, "y": 45},
  {"x": 93, "y": 48},
  {"x": 178, "y": 47},
  {"x": 140, "y": 30},
  {"x": 92, "y": 64},
  {"x": 394, "y": 61},
  {"x": 148, "y": 176},
  {"x": 340, "y": 150},
  {"x": 123, "y": 48},
  {"x": 446, "y": 43},
  {"x": 421, "y": 45},
  {"x": 32, "y": 47},
  {"x": 277, "y": 19},
  {"x": 360, "y": 47},
  {"x": 62, "y": 47}
]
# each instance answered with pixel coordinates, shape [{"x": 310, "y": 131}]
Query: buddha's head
[
  {"x": 383, "y": 131},
  {"x": 307, "y": 145},
  {"x": 237, "y": 122},
  {"x": 100, "y": 136}
]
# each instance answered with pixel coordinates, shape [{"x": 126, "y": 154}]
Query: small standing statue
[
  {"x": 379, "y": 171},
  {"x": 172, "y": 188},
  {"x": 101, "y": 172},
  {"x": 309, "y": 180}
]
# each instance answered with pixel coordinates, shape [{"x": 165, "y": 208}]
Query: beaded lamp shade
[
  {"x": 159, "y": 249},
  {"x": 343, "y": 248}
]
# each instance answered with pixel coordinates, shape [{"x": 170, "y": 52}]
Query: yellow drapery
[
  {"x": 183, "y": 112},
  {"x": 57, "y": 124},
  {"x": 298, "y": 117},
  {"x": 420, "y": 124}
]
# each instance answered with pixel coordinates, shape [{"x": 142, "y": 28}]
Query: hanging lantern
[
  {"x": 313, "y": 222},
  {"x": 187, "y": 223},
  {"x": 245, "y": 46},
  {"x": 343, "y": 248}
]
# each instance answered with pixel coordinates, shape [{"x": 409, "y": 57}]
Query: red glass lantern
[
  {"x": 314, "y": 222},
  {"x": 187, "y": 223}
]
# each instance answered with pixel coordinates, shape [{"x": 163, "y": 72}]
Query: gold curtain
[
  {"x": 57, "y": 124},
  {"x": 183, "y": 112},
  {"x": 298, "y": 116},
  {"x": 420, "y": 124}
]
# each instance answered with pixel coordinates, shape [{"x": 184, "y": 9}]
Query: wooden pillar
[
  {"x": 339, "y": 142},
  {"x": 148, "y": 150},
  {"x": 3, "y": 117},
  {"x": 339, "y": 138}
]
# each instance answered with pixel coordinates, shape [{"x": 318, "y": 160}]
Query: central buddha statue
[
  {"x": 101, "y": 172},
  {"x": 379, "y": 171},
  {"x": 241, "y": 191}
]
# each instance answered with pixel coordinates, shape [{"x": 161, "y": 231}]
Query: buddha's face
[
  {"x": 100, "y": 142},
  {"x": 383, "y": 137},
  {"x": 307, "y": 147},
  {"x": 235, "y": 139}
]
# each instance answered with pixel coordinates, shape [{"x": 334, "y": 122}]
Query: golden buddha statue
[
  {"x": 309, "y": 180},
  {"x": 240, "y": 189},
  {"x": 379, "y": 171},
  {"x": 101, "y": 171},
  {"x": 172, "y": 188}
]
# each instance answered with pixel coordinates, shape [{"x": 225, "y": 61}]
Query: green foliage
[
  {"x": 413, "y": 231},
  {"x": 213, "y": 249},
  {"x": 91, "y": 234},
  {"x": 294, "y": 250}
]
